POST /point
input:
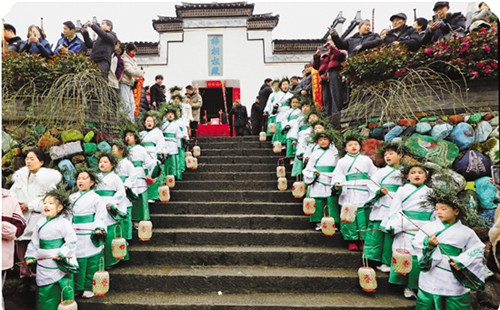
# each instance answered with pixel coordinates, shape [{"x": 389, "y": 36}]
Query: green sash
[
  {"x": 146, "y": 144},
  {"x": 356, "y": 176},
  {"x": 137, "y": 163},
  {"x": 325, "y": 169},
  {"x": 51, "y": 244},
  {"x": 105, "y": 193},
  {"x": 390, "y": 187},
  {"x": 169, "y": 135},
  {"x": 83, "y": 219},
  {"x": 418, "y": 215},
  {"x": 303, "y": 127}
]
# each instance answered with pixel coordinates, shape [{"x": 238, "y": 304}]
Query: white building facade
[{"x": 221, "y": 46}]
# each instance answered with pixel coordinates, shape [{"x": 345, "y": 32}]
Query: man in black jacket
[
  {"x": 104, "y": 46},
  {"x": 444, "y": 24},
  {"x": 156, "y": 93},
  {"x": 364, "y": 39},
  {"x": 402, "y": 33},
  {"x": 13, "y": 41}
]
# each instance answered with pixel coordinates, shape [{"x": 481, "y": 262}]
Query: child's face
[
  {"x": 312, "y": 118},
  {"x": 130, "y": 138},
  {"x": 84, "y": 182},
  {"x": 178, "y": 112},
  {"x": 117, "y": 151},
  {"x": 392, "y": 158},
  {"x": 105, "y": 165},
  {"x": 177, "y": 100},
  {"x": 51, "y": 207},
  {"x": 149, "y": 122},
  {"x": 323, "y": 142},
  {"x": 295, "y": 103},
  {"x": 352, "y": 147},
  {"x": 170, "y": 116},
  {"x": 306, "y": 108},
  {"x": 417, "y": 176},
  {"x": 446, "y": 213},
  {"x": 319, "y": 128}
]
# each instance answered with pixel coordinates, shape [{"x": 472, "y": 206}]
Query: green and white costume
[
  {"x": 125, "y": 170},
  {"x": 437, "y": 284},
  {"x": 409, "y": 199},
  {"x": 353, "y": 173},
  {"x": 153, "y": 141},
  {"x": 88, "y": 215},
  {"x": 378, "y": 244},
  {"x": 53, "y": 237}
]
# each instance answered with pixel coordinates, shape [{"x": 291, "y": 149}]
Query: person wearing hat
[
  {"x": 402, "y": 33},
  {"x": 421, "y": 25},
  {"x": 9, "y": 35},
  {"x": 444, "y": 24},
  {"x": 69, "y": 41},
  {"x": 446, "y": 249},
  {"x": 364, "y": 39},
  {"x": 318, "y": 175}
]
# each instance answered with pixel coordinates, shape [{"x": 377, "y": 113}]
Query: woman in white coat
[{"x": 31, "y": 183}]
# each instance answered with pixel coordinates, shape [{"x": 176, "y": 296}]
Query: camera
[{"x": 495, "y": 174}]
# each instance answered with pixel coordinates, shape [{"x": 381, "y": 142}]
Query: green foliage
[{"x": 472, "y": 56}]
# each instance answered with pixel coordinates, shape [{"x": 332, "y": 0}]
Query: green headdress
[
  {"x": 169, "y": 108},
  {"x": 147, "y": 114},
  {"x": 121, "y": 145},
  {"x": 112, "y": 158},
  {"x": 62, "y": 196},
  {"x": 130, "y": 128},
  {"x": 174, "y": 88},
  {"x": 399, "y": 148},
  {"x": 176, "y": 95},
  {"x": 447, "y": 197},
  {"x": 351, "y": 135},
  {"x": 92, "y": 174}
]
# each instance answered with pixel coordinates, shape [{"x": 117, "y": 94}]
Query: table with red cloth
[{"x": 216, "y": 130}]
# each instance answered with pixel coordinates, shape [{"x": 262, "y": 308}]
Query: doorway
[{"x": 213, "y": 102}]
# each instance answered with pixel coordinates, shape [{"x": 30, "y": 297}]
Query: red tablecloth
[{"x": 213, "y": 130}]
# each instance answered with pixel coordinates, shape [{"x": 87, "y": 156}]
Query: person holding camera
[
  {"x": 69, "y": 41},
  {"x": 103, "y": 46},
  {"x": 364, "y": 39},
  {"x": 401, "y": 33},
  {"x": 10, "y": 38},
  {"x": 444, "y": 24},
  {"x": 127, "y": 82},
  {"x": 36, "y": 43}
]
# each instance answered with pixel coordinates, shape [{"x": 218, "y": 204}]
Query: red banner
[
  {"x": 137, "y": 94},
  {"x": 316, "y": 89}
]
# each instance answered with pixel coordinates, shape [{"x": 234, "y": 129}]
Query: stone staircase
[{"x": 228, "y": 239}]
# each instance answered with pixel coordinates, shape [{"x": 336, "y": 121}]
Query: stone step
[
  {"x": 145, "y": 300},
  {"x": 226, "y": 185},
  {"x": 263, "y": 150},
  {"x": 229, "y": 144},
  {"x": 230, "y": 221},
  {"x": 229, "y": 176},
  {"x": 230, "y": 195},
  {"x": 277, "y": 256},
  {"x": 239, "y": 279},
  {"x": 240, "y": 237},
  {"x": 227, "y": 139},
  {"x": 235, "y": 207},
  {"x": 203, "y": 167},
  {"x": 232, "y": 159}
]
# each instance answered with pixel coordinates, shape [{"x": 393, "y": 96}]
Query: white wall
[{"x": 243, "y": 59}]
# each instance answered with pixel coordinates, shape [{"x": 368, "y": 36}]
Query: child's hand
[
  {"x": 384, "y": 190},
  {"x": 338, "y": 185},
  {"x": 56, "y": 258},
  {"x": 24, "y": 206},
  {"x": 29, "y": 262},
  {"x": 294, "y": 142},
  {"x": 98, "y": 232},
  {"x": 433, "y": 241},
  {"x": 108, "y": 207},
  {"x": 317, "y": 173},
  {"x": 454, "y": 265}
]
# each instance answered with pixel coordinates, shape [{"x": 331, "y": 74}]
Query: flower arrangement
[{"x": 472, "y": 56}]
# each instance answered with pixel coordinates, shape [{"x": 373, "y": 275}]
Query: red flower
[
  {"x": 494, "y": 65},
  {"x": 428, "y": 51},
  {"x": 474, "y": 73},
  {"x": 399, "y": 72},
  {"x": 436, "y": 55},
  {"x": 486, "y": 47},
  {"x": 480, "y": 64},
  {"x": 487, "y": 69}
]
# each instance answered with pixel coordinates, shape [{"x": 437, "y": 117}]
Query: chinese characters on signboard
[{"x": 214, "y": 55}]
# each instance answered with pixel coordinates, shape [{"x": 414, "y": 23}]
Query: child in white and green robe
[
  {"x": 352, "y": 176},
  {"x": 378, "y": 243},
  {"x": 88, "y": 217},
  {"x": 52, "y": 248},
  {"x": 445, "y": 247},
  {"x": 277, "y": 106},
  {"x": 112, "y": 193},
  {"x": 318, "y": 175},
  {"x": 410, "y": 200},
  {"x": 171, "y": 131},
  {"x": 302, "y": 132},
  {"x": 152, "y": 140},
  {"x": 290, "y": 127}
]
